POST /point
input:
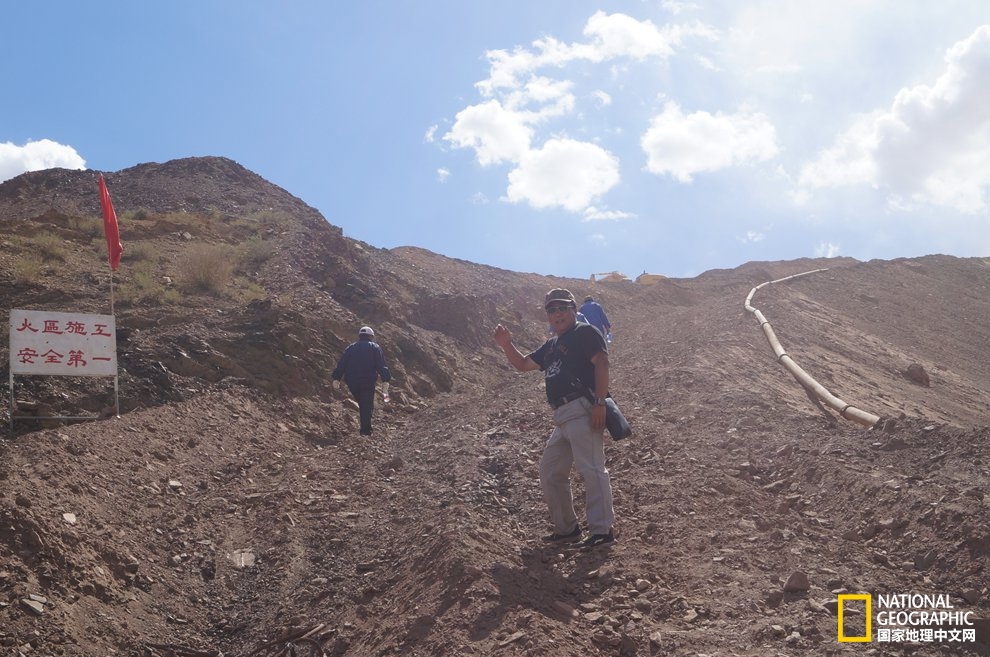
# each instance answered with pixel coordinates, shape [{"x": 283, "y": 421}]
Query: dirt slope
[{"x": 233, "y": 509}]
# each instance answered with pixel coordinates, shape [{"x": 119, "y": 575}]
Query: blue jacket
[
  {"x": 361, "y": 364},
  {"x": 596, "y": 316}
]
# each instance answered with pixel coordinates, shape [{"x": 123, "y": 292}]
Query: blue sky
[{"x": 561, "y": 137}]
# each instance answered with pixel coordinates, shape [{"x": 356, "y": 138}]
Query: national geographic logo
[{"x": 907, "y": 617}]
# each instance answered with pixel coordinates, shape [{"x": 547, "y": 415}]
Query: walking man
[
  {"x": 575, "y": 366},
  {"x": 595, "y": 315},
  {"x": 360, "y": 366}
]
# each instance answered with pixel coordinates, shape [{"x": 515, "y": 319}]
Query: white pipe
[{"x": 847, "y": 411}]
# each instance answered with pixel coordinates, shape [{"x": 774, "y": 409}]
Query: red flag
[{"x": 114, "y": 249}]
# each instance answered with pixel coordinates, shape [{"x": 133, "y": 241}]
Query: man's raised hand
[{"x": 502, "y": 336}]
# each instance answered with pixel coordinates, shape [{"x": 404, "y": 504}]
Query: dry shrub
[
  {"x": 139, "y": 251},
  {"x": 144, "y": 285},
  {"x": 138, "y": 214},
  {"x": 269, "y": 219},
  {"x": 252, "y": 292},
  {"x": 50, "y": 246},
  {"x": 88, "y": 226},
  {"x": 27, "y": 269},
  {"x": 254, "y": 253},
  {"x": 207, "y": 268}
]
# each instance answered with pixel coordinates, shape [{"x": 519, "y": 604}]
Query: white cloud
[
  {"x": 677, "y": 7},
  {"x": 683, "y": 145},
  {"x": 501, "y": 131},
  {"x": 848, "y": 161},
  {"x": 431, "y": 133},
  {"x": 506, "y": 68},
  {"x": 707, "y": 63},
  {"x": 495, "y": 133},
  {"x": 799, "y": 196},
  {"x": 523, "y": 98},
  {"x": 479, "y": 198},
  {"x": 35, "y": 156},
  {"x": 552, "y": 98},
  {"x": 618, "y": 35},
  {"x": 827, "y": 250},
  {"x": 591, "y": 213},
  {"x": 539, "y": 89},
  {"x": 752, "y": 236},
  {"x": 443, "y": 174},
  {"x": 768, "y": 37},
  {"x": 934, "y": 144},
  {"x": 612, "y": 36},
  {"x": 931, "y": 147},
  {"x": 564, "y": 173}
]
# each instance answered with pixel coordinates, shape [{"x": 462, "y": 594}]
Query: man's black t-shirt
[{"x": 566, "y": 360}]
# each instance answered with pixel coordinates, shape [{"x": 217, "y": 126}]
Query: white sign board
[{"x": 67, "y": 344}]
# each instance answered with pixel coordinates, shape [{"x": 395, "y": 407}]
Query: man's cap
[
  {"x": 366, "y": 330},
  {"x": 559, "y": 294},
  {"x": 588, "y": 298}
]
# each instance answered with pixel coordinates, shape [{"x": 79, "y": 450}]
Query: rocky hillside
[{"x": 232, "y": 509}]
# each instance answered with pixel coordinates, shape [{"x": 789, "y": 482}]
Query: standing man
[
  {"x": 360, "y": 365},
  {"x": 596, "y": 315},
  {"x": 575, "y": 366}
]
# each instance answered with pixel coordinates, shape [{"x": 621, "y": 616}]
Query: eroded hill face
[
  {"x": 284, "y": 291},
  {"x": 233, "y": 509}
]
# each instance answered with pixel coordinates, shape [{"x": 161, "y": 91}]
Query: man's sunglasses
[{"x": 552, "y": 310}]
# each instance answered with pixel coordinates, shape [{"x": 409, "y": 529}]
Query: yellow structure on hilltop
[
  {"x": 650, "y": 279},
  {"x": 609, "y": 277},
  {"x": 618, "y": 277}
]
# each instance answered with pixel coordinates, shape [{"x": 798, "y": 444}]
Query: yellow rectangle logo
[{"x": 868, "y": 599}]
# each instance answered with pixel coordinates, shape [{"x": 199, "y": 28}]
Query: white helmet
[{"x": 366, "y": 330}]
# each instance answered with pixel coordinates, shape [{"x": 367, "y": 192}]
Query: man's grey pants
[{"x": 574, "y": 442}]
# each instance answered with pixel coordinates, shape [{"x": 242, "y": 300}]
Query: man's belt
[{"x": 557, "y": 403}]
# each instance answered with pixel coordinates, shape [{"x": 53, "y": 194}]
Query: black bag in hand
[{"x": 616, "y": 423}]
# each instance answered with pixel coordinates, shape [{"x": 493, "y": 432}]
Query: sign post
[{"x": 62, "y": 344}]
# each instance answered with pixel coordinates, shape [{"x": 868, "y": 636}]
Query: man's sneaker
[
  {"x": 569, "y": 537},
  {"x": 597, "y": 540}
]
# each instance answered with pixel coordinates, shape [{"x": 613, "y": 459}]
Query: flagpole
[
  {"x": 113, "y": 257},
  {"x": 116, "y": 376}
]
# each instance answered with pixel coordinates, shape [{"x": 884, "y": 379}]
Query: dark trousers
[{"x": 365, "y": 397}]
